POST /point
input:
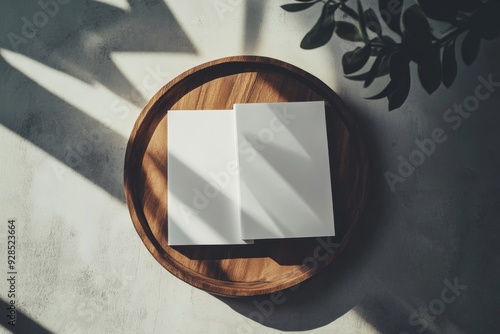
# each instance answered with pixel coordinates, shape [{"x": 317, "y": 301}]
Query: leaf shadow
[{"x": 80, "y": 37}]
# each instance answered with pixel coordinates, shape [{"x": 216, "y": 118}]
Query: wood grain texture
[{"x": 268, "y": 265}]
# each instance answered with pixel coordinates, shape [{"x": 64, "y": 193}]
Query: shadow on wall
[
  {"x": 424, "y": 258},
  {"x": 403, "y": 33},
  {"x": 420, "y": 261},
  {"x": 77, "y": 38},
  {"x": 396, "y": 261}
]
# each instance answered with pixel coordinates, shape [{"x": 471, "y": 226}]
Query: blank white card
[
  {"x": 260, "y": 171},
  {"x": 285, "y": 172},
  {"x": 203, "y": 190}
]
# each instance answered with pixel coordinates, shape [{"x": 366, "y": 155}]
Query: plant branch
[
  {"x": 451, "y": 35},
  {"x": 349, "y": 11}
]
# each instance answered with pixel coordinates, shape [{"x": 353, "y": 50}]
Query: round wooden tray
[{"x": 268, "y": 265}]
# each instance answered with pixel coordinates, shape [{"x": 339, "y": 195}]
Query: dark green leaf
[
  {"x": 372, "y": 73},
  {"x": 447, "y": 10},
  {"x": 442, "y": 10},
  {"x": 391, "y": 14},
  {"x": 378, "y": 69},
  {"x": 372, "y": 22},
  {"x": 400, "y": 75},
  {"x": 362, "y": 23},
  {"x": 383, "y": 69},
  {"x": 484, "y": 22},
  {"x": 387, "y": 40},
  {"x": 416, "y": 24},
  {"x": 449, "y": 64},
  {"x": 375, "y": 51},
  {"x": 400, "y": 95},
  {"x": 353, "y": 61},
  {"x": 357, "y": 77},
  {"x": 429, "y": 70},
  {"x": 322, "y": 31},
  {"x": 384, "y": 65},
  {"x": 417, "y": 50},
  {"x": 399, "y": 66},
  {"x": 296, "y": 7},
  {"x": 389, "y": 89},
  {"x": 470, "y": 47},
  {"x": 467, "y": 5},
  {"x": 348, "y": 31}
]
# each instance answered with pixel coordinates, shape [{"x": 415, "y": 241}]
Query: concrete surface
[{"x": 70, "y": 93}]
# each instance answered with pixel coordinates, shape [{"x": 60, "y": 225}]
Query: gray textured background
[{"x": 69, "y": 96}]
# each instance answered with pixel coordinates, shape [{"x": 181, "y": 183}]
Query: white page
[
  {"x": 284, "y": 170},
  {"x": 203, "y": 187}
]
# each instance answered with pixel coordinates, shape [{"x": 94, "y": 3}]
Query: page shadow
[{"x": 290, "y": 251}]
